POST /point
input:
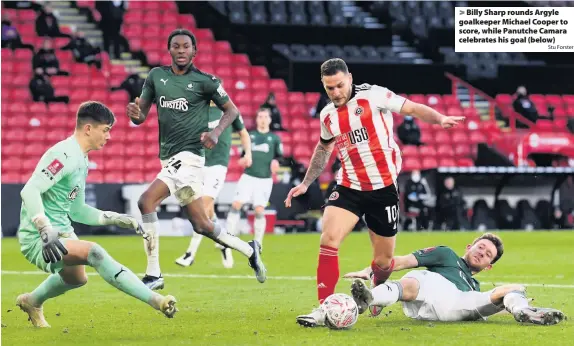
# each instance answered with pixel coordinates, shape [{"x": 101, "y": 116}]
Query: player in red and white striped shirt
[{"x": 359, "y": 122}]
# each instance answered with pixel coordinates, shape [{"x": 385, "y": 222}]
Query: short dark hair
[
  {"x": 94, "y": 112},
  {"x": 333, "y": 66},
  {"x": 185, "y": 32},
  {"x": 263, "y": 109},
  {"x": 496, "y": 241}
]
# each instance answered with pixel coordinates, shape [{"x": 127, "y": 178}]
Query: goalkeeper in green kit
[{"x": 53, "y": 195}]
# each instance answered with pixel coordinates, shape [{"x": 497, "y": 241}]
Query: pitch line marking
[{"x": 287, "y": 278}]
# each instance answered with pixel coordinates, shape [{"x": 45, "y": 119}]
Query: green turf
[{"x": 237, "y": 311}]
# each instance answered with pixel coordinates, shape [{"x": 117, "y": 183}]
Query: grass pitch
[{"x": 229, "y": 307}]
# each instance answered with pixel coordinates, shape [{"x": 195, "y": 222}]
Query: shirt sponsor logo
[
  {"x": 74, "y": 193},
  {"x": 353, "y": 137},
  {"x": 221, "y": 91},
  {"x": 55, "y": 167},
  {"x": 261, "y": 147},
  {"x": 179, "y": 104},
  {"x": 213, "y": 124}
]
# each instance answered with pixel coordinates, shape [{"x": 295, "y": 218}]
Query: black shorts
[{"x": 380, "y": 207}]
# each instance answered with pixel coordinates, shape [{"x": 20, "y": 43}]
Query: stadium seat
[
  {"x": 427, "y": 151},
  {"x": 114, "y": 177},
  {"x": 95, "y": 177},
  {"x": 134, "y": 177}
]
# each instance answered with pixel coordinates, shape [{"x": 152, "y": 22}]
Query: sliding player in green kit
[
  {"x": 214, "y": 172},
  {"x": 447, "y": 290},
  {"x": 53, "y": 195},
  {"x": 182, "y": 94}
]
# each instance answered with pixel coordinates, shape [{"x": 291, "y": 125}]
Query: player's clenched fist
[
  {"x": 298, "y": 190},
  {"x": 134, "y": 109},
  {"x": 209, "y": 139}
]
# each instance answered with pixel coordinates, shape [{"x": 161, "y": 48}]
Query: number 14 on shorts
[{"x": 392, "y": 215}]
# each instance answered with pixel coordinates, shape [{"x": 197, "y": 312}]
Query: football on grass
[{"x": 341, "y": 311}]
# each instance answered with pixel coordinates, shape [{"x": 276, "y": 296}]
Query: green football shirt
[
  {"x": 444, "y": 261},
  {"x": 264, "y": 148},
  {"x": 60, "y": 176},
  {"x": 183, "y": 107},
  {"x": 219, "y": 156}
]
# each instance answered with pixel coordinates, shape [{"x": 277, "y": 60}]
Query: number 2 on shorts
[{"x": 392, "y": 215}]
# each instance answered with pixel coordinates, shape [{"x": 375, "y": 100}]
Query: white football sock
[
  {"x": 387, "y": 294},
  {"x": 259, "y": 227},
  {"x": 194, "y": 243},
  {"x": 223, "y": 237},
  {"x": 514, "y": 301},
  {"x": 151, "y": 225},
  {"x": 232, "y": 221}
]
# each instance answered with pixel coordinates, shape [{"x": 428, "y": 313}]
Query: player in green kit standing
[
  {"x": 447, "y": 289},
  {"x": 215, "y": 171},
  {"x": 53, "y": 195},
  {"x": 256, "y": 183},
  {"x": 182, "y": 94}
]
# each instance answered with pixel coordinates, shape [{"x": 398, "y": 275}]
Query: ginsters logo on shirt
[
  {"x": 261, "y": 147},
  {"x": 353, "y": 137},
  {"x": 179, "y": 104}
]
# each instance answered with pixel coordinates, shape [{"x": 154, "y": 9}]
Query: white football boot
[
  {"x": 185, "y": 260},
  {"x": 315, "y": 319}
]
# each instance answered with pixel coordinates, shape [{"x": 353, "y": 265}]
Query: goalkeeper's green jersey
[{"x": 60, "y": 177}]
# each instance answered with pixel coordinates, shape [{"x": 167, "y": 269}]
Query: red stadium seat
[
  {"x": 411, "y": 164},
  {"x": 134, "y": 177},
  {"x": 429, "y": 163},
  {"x": 409, "y": 151},
  {"x": 134, "y": 150},
  {"x": 447, "y": 162},
  {"x": 465, "y": 162},
  {"x": 427, "y": 151},
  {"x": 442, "y": 137},
  {"x": 312, "y": 98},
  {"x": 459, "y": 137},
  {"x": 477, "y": 137},
  {"x": 302, "y": 151},
  {"x": 34, "y": 149},
  {"x": 114, "y": 177},
  {"x": 296, "y": 97},
  {"x": 462, "y": 150},
  {"x": 445, "y": 151},
  {"x": 11, "y": 178},
  {"x": 277, "y": 85},
  {"x": 16, "y": 135},
  {"x": 287, "y": 150},
  {"x": 36, "y": 135},
  {"x": 152, "y": 164},
  {"x": 95, "y": 177},
  {"x": 12, "y": 164}
]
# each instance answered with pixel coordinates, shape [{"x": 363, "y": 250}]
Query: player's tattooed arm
[
  {"x": 318, "y": 162},
  {"x": 230, "y": 113}
]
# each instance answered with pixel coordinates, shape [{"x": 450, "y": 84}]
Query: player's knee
[
  {"x": 259, "y": 212},
  {"x": 236, "y": 205},
  {"x": 96, "y": 255},
  {"x": 410, "y": 289},
  {"x": 203, "y": 226},
  {"x": 332, "y": 237},
  {"x": 145, "y": 204}
]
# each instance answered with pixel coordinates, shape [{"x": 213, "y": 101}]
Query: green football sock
[
  {"x": 52, "y": 287},
  {"x": 121, "y": 277}
]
